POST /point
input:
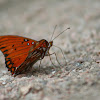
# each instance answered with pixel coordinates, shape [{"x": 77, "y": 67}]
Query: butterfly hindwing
[
  {"x": 33, "y": 56},
  {"x": 15, "y": 50}
]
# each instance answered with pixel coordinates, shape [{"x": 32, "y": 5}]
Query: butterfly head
[
  {"x": 46, "y": 44},
  {"x": 50, "y": 44}
]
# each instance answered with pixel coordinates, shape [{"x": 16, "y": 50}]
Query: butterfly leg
[
  {"x": 62, "y": 54},
  {"x": 52, "y": 61},
  {"x": 40, "y": 64},
  {"x": 56, "y": 58}
]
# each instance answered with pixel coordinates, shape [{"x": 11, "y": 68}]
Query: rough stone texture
[{"x": 36, "y": 19}]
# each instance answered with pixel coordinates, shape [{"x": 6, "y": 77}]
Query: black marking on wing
[
  {"x": 10, "y": 65},
  {"x": 6, "y": 55},
  {"x": 6, "y": 61},
  {"x": 2, "y": 47},
  {"x": 26, "y": 40},
  {"x": 22, "y": 42},
  {"x": 5, "y": 51}
]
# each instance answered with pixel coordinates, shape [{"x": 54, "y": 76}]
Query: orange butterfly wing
[
  {"x": 31, "y": 59},
  {"x": 15, "y": 50}
]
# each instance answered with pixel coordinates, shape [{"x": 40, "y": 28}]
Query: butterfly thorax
[{"x": 44, "y": 47}]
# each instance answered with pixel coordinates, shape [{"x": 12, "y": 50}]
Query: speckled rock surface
[{"x": 36, "y": 19}]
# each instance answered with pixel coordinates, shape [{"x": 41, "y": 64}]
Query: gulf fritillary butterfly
[{"x": 21, "y": 52}]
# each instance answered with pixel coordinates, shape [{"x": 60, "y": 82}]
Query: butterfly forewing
[{"x": 15, "y": 50}]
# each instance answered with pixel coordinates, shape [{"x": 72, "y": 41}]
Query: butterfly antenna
[
  {"x": 53, "y": 32},
  {"x": 61, "y": 33}
]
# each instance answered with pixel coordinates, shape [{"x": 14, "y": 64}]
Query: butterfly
[{"x": 21, "y": 53}]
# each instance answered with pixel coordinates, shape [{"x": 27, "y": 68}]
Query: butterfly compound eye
[{"x": 50, "y": 44}]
